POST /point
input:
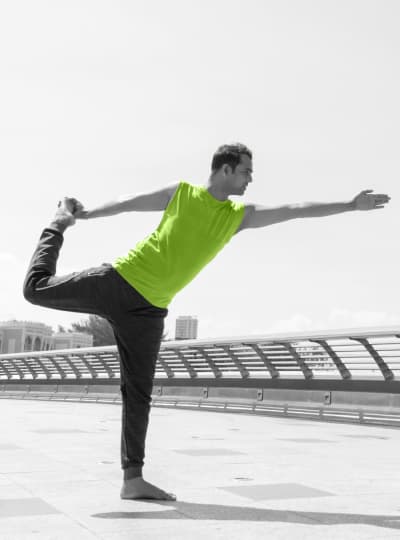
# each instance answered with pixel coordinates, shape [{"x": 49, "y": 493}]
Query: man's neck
[{"x": 217, "y": 194}]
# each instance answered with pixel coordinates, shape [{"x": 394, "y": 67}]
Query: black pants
[{"x": 138, "y": 327}]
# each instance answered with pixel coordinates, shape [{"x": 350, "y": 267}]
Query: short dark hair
[{"x": 229, "y": 154}]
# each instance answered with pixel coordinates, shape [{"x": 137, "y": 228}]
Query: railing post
[
  {"x": 264, "y": 357},
  {"x": 44, "y": 368},
  {"x": 385, "y": 370},
  {"x": 5, "y": 370},
  {"x": 344, "y": 372},
  {"x": 27, "y": 365},
  {"x": 307, "y": 372},
  {"x": 242, "y": 370},
  {"x": 103, "y": 363},
  {"x": 170, "y": 374},
  {"x": 75, "y": 371},
  {"x": 215, "y": 369},
  {"x": 192, "y": 372},
  {"x": 57, "y": 366}
]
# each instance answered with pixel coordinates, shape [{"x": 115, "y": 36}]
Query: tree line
[{"x": 98, "y": 327}]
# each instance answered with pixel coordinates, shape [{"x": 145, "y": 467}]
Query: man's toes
[{"x": 164, "y": 496}]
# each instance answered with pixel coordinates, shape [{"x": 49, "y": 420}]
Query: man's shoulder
[{"x": 172, "y": 189}]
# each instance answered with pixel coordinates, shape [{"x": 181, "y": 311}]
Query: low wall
[{"x": 353, "y": 407}]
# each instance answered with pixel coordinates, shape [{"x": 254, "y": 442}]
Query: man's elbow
[
  {"x": 296, "y": 211},
  {"x": 262, "y": 217}
]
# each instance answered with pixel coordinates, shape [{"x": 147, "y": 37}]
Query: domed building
[{"x": 21, "y": 336}]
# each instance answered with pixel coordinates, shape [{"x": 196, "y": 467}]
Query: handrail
[{"x": 364, "y": 359}]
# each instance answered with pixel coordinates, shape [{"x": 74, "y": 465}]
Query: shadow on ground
[{"x": 218, "y": 512}]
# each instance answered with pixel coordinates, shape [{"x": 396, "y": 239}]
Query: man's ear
[{"x": 226, "y": 169}]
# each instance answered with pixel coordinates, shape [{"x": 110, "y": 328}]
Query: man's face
[{"x": 242, "y": 175}]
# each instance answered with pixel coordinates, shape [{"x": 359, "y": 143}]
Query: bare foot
[
  {"x": 138, "y": 488},
  {"x": 65, "y": 214},
  {"x": 66, "y": 209}
]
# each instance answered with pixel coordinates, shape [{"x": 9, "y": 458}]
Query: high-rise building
[{"x": 186, "y": 327}]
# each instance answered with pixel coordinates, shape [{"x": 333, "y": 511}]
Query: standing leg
[{"x": 138, "y": 338}]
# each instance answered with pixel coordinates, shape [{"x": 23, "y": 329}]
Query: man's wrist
[
  {"x": 352, "y": 205},
  {"x": 58, "y": 226},
  {"x": 83, "y": 215}
]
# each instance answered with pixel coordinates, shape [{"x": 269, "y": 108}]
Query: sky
[{"x": 102, "y": 99}]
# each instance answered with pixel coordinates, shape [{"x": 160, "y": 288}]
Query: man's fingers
[
  {"x": 77, "y": 203},
  {"x": 378, "y": 195}
]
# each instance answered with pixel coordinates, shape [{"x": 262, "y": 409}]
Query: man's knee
[{"x": 29, "y": 292}]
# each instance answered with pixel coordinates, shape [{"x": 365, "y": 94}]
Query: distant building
[
  {"x": 72, "y": 340},
  {"x": 21, "y": 336},
  {"x": 186, "y": 327}
]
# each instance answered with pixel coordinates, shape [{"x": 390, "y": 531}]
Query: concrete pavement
[{"x": 236, "y": 476}]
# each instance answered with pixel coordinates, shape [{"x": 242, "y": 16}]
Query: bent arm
[{"x": 147, "y": 202}]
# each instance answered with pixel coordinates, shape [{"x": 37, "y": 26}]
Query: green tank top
[{"x": 194, "y": 228}]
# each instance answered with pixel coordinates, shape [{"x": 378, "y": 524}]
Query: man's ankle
[
  {"x": 132, "y": 472},
  {"x": 58, "y": 226}
]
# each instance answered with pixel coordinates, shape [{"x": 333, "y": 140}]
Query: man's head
[{"x": 232, "y": 167}]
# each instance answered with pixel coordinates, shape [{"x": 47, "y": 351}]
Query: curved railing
[
  {"x": 358, "y": 359},
  {"x": 319, "y": 363}
]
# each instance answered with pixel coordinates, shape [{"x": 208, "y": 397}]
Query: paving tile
[
  {"x": 25, "y": 507},
  {"x": 209, "y": 452},
  {"x": 309, "y": 440},
  {"x": 212, "y": 439},
  {"x": 366, "y": 437},
  {"x": 44, "y": 527},
  {"x": 58, "y": 430}
]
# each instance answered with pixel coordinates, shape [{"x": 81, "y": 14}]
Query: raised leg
[{"x": 79, "y": 291}]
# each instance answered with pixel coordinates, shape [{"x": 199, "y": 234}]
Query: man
[{"x": 134, "y": 292}]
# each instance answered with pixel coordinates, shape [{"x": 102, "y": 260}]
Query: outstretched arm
[
  {"x": 259, "y": 216},
  {"x": 147, "y": 202}
]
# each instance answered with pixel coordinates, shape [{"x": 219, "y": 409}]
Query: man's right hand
[{"x": 80, "y": 212}]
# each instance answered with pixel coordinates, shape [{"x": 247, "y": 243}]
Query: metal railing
[
  {"x": 359, "y": 360},
  {"x": 298, "y": 375}
]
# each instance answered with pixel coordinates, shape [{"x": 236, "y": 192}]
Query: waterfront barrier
[{"x": 347, "y": 375}]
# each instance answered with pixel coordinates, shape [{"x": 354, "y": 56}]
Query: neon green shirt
[{"x": 194, "y": 228}]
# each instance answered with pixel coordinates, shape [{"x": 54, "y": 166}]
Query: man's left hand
[{"x": 367, "y": 200}]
